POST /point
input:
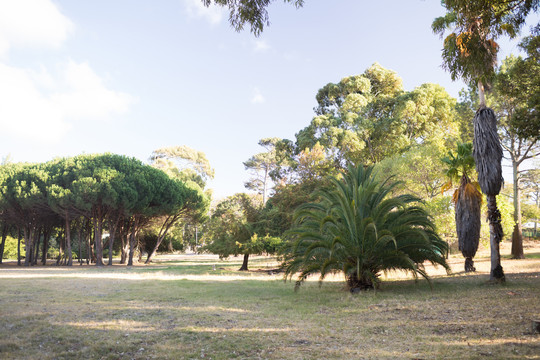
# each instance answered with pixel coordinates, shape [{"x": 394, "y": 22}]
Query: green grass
[{"x": 183, "y": 309}]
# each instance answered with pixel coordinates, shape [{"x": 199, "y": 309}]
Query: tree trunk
[
  {"x": 5, "y": 229},
  {"x": 36, "y": 247},
  {"x": 98, "y": 230},
  {"x": 495, "y": 237},
  {"x": 132, "y": 242},
  {"x": 46, "y": 237},
  {"x": 169, "y": 221},
  {"x": 517, "y": 236},
  {"x": 68, "y": 241},
  {"x": 61, "y": 247},
  {"x": 19, "y": 249},
  {"x": 481, "y": 94},
  {"x": 88, "y": 248},
  {"x": 28, "y": 245},
  {"x": 244, "y": 266}
]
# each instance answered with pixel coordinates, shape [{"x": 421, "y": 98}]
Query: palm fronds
[{"x": 360, "y": 229}]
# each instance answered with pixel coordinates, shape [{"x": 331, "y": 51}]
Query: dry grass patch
[{"x": 182, "y": 309}]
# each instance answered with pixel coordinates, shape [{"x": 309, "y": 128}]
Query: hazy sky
[{"x": 131, "y": 76}]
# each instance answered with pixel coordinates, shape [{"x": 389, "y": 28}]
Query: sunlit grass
[{"x": 182, "y": 309}]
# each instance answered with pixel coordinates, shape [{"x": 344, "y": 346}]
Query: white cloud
[
  {"x": 212, "y": 14},
  {"x": 261, "y": 46},
  {"x": 45, "y": 106},
  {"x": 257, "y": 98},
  {"x": 32, "y": 23},
  {"x": 40, "y": 104}
]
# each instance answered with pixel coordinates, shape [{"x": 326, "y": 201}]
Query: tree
[
  {"x": 514, "y": 85},
  {"x": 254, "y": 13},
  {"x": 359, "y": 229},
  {"x": 470, "y": 53},
  {"x": 231, "y": 228},
  {"x": 261, "y": 166},
  {"x": 369, "y": 117},
  {"x": 194, "y": 170},
  {"x": 183, "y": 163},
  {"x": 467, "y": 201}
]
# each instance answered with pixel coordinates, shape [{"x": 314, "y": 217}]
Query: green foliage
[
  {"x": 470, "y": 50},
  {"x": 253, "y": 13},
  {"x": 359, "y": 229},
  {"x": 516, "y": 100},
  {"x": 461, "y": 163},
  {"x": 418, "y": 169},
  {"x": 230, "y": 230},
  {"x": 10, "y": 249},
  {"x": 366, "y": 118}
]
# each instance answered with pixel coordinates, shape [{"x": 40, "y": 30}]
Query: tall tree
[
  {"x": 368, "y": 117},
  {"x": 261, "y": 166},
  {"x": 516, "y": 81},
  {"x": 470, "y": 53}
]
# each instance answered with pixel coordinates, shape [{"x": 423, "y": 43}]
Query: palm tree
[
  {"x": 360, "y": 229},
  {"x": 470, "y": 52},
  {"x": 467, "y": 200}
]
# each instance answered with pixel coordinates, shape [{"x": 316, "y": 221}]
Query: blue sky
[{"x": 131, "y": 76}]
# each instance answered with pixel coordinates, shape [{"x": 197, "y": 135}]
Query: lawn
[{"x": 181, "y": 308}]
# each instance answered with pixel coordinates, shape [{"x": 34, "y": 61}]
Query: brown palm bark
[{"x": 488, "y": 156}]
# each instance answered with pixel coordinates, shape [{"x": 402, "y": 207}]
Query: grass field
[{"x": 180, "y": 308}]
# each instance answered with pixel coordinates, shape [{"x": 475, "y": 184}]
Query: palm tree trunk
[
  {"x": 495, "y": 237},
  {"x": 488, "y": 156}
]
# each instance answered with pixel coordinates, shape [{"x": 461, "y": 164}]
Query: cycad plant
[
  {"x": 359, "y": 228},
  {"x": 467, "y": 200}
]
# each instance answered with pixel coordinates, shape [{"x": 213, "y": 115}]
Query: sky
[{"x": 133, "y": 76}]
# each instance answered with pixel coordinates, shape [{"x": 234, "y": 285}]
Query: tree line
[{"x": 89, "y": 195}]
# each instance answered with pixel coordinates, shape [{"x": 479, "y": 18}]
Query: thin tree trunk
[
  {"x": 61, "y": 247},
  {"x": 68, "y": 241},
  {"x": 132, "y": 242},
  {"x": 36, "y": 247},
  {"x": 19, "y": 248},
  {"x": 46, "y": 237},
  {"x": 98, "y": 229},
  {"x": 169, "y": 221},
  {"x": 481, "y": 94},
  {"x": 79, "y": 237},
  {"x": 495, "y": 237},
  {"x": 5, "y": 229},
  {"x": 517, "y": 235},
  {"x": 112, "y": 234},
  {"x": 244, "y": 266},
  {"x": 28, "y": 245},
  {"x": 88, "y": 248}
]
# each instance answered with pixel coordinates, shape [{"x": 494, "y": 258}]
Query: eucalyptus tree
[
  {"x": 516, "y": 82},
  {"x": 178, "y": 201},
  {"x": 261, "y": 167},
  {"x": 368, "y": 117},
  {"x": 470, "y": 52},
  {"x": 191, "y": 167}
]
